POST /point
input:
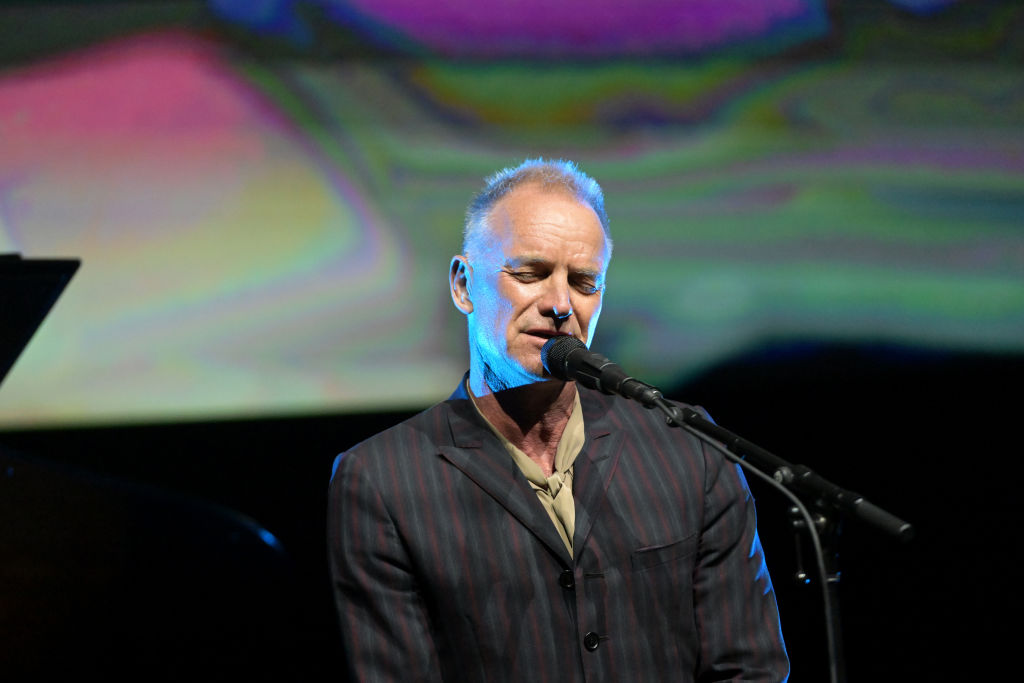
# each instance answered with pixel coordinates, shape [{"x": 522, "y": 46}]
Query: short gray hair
[{"x": 558, "y": 174}]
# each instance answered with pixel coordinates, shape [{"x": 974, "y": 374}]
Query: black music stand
[{"x": 28, "y": 290}]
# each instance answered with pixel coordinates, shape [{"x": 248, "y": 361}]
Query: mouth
[{"x": 545, "y": 335}]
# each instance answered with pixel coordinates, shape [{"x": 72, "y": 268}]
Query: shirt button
[
  {"x": 566, "y": 580},
  {"x": 591, "y": 640}
]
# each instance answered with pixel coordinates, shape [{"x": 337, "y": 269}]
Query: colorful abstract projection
[
  {"x": 273, "y": 237},
  {"x": 215, "y": 240}
]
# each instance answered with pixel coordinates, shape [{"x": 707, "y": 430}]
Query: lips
[{"x": 548, "y": 334}]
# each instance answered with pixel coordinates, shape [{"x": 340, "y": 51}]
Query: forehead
[{"x": 533, "y": 221}]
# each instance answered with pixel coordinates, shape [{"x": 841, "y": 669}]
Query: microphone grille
[{"x": 555, "y": 355}]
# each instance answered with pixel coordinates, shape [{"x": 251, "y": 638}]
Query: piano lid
[{"x": 28, "y": 290}]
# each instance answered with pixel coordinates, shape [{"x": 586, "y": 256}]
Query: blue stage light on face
[{"x": 538, "y": 272}]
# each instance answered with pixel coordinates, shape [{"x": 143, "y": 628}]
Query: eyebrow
[{"x": 526, "y": 261}]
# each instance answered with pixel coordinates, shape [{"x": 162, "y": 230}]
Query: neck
[{"x": 531, "y": 416}]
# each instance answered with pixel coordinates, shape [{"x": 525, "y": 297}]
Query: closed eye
[
  {"x": 527, "y": 275},
  {"x": 584, "y": 282},
  {"x": 587, "y": 284}
]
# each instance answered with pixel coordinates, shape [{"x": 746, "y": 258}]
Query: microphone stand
[{"x": 798, "y": 482}]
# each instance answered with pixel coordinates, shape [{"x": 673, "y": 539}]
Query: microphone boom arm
[
  {"x": 798, "y": 478},
  {"x": 568, "y": 358}
]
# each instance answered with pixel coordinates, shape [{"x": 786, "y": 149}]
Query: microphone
[{"x": 568, "y": 358}]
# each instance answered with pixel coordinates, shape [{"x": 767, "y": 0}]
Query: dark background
[{"x": 165, "y": 577}]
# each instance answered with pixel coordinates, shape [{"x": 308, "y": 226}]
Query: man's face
[{"x": 539, "y": 272}]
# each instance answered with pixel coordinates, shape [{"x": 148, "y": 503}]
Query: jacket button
[
  {"x": 591, "y": 640},
  {"x": 566, "y": 580}
]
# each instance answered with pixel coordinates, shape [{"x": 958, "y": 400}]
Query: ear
[{"x": 460, "y": 273}]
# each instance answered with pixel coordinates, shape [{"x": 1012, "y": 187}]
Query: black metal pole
[{"x": 829, "y": 501}]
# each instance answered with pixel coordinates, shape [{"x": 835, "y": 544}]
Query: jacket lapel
[
  {"x": 595, "y": 465},
  {"x": 481, "y": 457}
]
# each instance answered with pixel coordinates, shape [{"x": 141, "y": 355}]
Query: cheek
[
  {"x": 494, "y": 304},
  {"x": 589, "y": 318},
  {"x": 510, "y": 302},
  {"x": 488, "y": 296}
]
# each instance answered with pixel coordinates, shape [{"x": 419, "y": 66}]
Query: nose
[{"x": 557, "y": 300}]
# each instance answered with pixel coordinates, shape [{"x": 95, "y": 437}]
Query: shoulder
[
  {"x": 401, "y": 445},
  {"x": 617, "y": 414},
  {"x": 651, "y": 442}
]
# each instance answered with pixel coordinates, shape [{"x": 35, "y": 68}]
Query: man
[{"x": 527, "y": 529}]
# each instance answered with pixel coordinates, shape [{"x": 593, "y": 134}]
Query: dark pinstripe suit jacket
[{"x": 446, "y": 567}]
